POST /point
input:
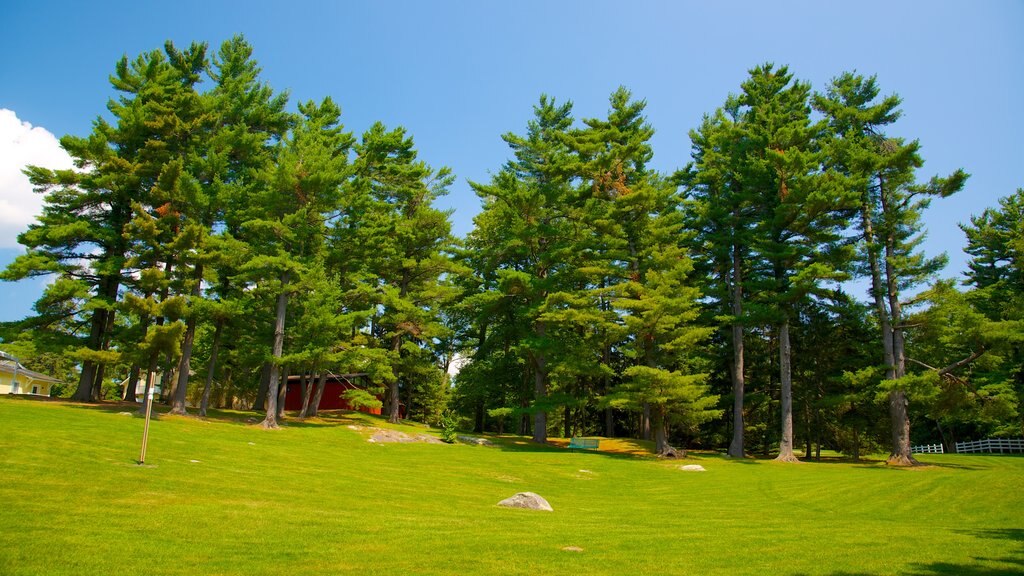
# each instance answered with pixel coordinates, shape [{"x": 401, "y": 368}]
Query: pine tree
[
  {"x": 722, "y": 214},
  {"x": 80, "y": 234},
  {"x": 238, "y": 120},
  {"x": 286, "y": 228},
  {"x": 880, "y": 170},
  {"x": 404, "y": 243},
  {"x": 802, "y": 213},
  {"x": 530, "y": 205},
  {"x": 639, "y": 268}
]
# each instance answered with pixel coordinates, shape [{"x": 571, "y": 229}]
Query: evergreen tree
[
  {"x": 240, "y": 119},
  {"x": 80, "y": 234},
  {"x": 798, "y": 232},
  {"x": 722, "y": 215},
  {"x": 286, "y": 228},
  {"x": 880, "y": 170},
  {"x": 529, "y": 209},
  {"x": 404, "y": 242}
]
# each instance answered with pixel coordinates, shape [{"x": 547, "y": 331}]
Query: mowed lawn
[{"x": 222, "y": 496}]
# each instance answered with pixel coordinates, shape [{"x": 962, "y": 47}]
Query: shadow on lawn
[
  {"x": 1013, "y": 563},
  {"x": 325, "y": 419}
]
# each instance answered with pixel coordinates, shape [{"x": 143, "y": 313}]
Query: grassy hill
[{"x": 221, "y": 496}]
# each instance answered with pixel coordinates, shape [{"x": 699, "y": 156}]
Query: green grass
[{"x": 316, "y": 498}]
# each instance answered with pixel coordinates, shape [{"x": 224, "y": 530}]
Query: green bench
[{"x": 584, "y": 443}]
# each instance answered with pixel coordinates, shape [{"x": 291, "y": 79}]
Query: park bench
[{"x": 584, "y": 443}]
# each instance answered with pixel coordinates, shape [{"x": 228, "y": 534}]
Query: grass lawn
[{"x": 221, "y": 496}]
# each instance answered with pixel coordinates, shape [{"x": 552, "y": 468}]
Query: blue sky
[{"x": 458, "y": 74}]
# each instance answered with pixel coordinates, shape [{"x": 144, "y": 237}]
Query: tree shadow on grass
[
  {"x": 1006, "y": 562},
  {"x": 325, "y": 419}
]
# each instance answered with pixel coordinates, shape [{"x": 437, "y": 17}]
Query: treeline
[{"x": 212, "y": 237}]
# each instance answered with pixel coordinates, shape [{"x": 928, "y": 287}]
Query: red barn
[{"x": 334, "y": 387}]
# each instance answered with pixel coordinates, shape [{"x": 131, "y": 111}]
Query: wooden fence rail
[
  {"x": 928, "y": 449},
  {"x": 1000, "y": 445}
]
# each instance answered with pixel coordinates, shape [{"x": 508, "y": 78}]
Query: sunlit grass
[{"x": 222, "y": 496}]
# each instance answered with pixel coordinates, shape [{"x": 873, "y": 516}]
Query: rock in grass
[
  {"x": 474, "y": 440},
  {"x": 572, "y": 549},
  {"x": 527, "y": 500},
  {"x": 692, "y": 468}
]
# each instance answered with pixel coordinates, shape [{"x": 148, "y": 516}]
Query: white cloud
[{"x": 22, "y": 144}]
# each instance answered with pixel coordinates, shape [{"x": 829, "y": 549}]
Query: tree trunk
[
  {"x": 212, "y": 367},
  {"x": 84, "y": 391},
  {"x": 478, "y": 416},
  {"x": 306, "y": 381},
  {"x": 540, "y": 390},
  {"x": 261, "y": 394},
  {"x": 609, "y": 412},
  {"x": 645, "y": 421},
  {"x": 808, "y": 440},
  {"x": 133, "y": 382},
  {"x": 394, "y": 403},
  {"x": 901, "y": 455},
  {"x": 898, "y": 413},
  {"x": 736, "y": 446},
  {"x": 661, "y": 431},
  {"x": 97, "y": 336},
  {"x": 282, "y": 390},
  {"x": 97, "y": 383},
  {"x": 184, "y": 363},
  {"x": 167, "y": 381},
  {"x": 817, "y": 434},
  {"x": 321, "y": 383},
  {"x": 786, "y": 381},
  {"x": 276, "y": 351},
  {"x": 108, "y": 330},
  {"x": 567, "y": 421}
]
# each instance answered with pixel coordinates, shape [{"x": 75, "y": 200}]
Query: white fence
[
  {"x": 928, "y": 449},
  {"x": 1001, "y": 445}
]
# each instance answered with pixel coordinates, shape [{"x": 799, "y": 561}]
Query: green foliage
[
  {"x": 449, "y": 432},
  {"x": 358, "y": 399}
]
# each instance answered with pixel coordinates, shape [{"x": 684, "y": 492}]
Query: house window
[{"x": 35, "y": 389}]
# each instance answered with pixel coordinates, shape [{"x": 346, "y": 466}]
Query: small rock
[
  {"x": 194, "y": 461},
  {"x": 124, "y": 413},
  {"x": 527, "y": 500},
  {"x": 572, "y": 549},
  {"x": 252, "y": 443},
  {"x": 693, "y": 468},
  {"x": 586, "y": 471},
  {"x": 371, "y": 440}
]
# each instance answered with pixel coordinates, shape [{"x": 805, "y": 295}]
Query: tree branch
[{"x": 961, "y": 363}]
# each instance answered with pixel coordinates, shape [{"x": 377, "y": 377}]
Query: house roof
[{"x": 8, "y": 367}]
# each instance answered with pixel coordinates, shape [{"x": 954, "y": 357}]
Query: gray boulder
[
  {"x": 527, "y": 500},
  {"x": 474, "y": 440}
]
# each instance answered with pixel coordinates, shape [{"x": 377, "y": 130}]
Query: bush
[{"x": 448, "y": 430}]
